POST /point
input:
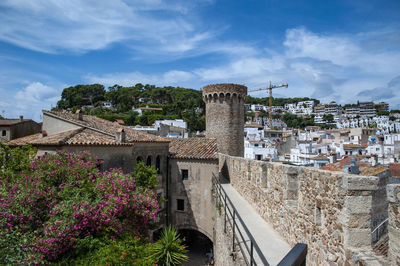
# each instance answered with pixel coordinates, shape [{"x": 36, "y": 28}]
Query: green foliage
[
  {"x": 169, "y": 249},
  {"x": 395, "y": 111},
  {"x": 15, "y": 160},
  {"x": 293, "y": 121},
  {"x": 382, "y": 112},
  {"x": 146, "y": 176},
  {"x": 329, "y": 118},
  {"x": 125, "y": 249},
  {"x": 64, "y": 206},
  {"x": 392, "y": 118},
  {"x": 176, "y": 102},
  {"x": 80, "y": 95}
]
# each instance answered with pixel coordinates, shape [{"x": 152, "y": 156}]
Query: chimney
[
  {"x": 353, "y": 168},
  {"x": 21, "y": 118},
  {"x": 44, "y": 133},
  {"x": 78, "y": 115},
  {"x": 120, "y": 135}
]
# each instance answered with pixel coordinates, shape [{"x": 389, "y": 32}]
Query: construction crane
[{"x": 270, "y": 98}]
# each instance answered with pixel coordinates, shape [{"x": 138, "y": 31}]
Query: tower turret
[{"x": 225, "y": 116}]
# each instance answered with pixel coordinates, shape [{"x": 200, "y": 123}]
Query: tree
[
  {"x": 382, "y": 112},
  {"x": 80, "y": 95},
  {"x": 146, "y": 176},
  {"x": 328, "y": 118},
  {"x": 169, "y": 249}
]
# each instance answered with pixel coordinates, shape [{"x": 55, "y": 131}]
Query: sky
[{"x": 332, "y": 50}]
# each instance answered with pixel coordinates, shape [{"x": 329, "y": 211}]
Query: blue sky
[{"x": 332, "y": 50}]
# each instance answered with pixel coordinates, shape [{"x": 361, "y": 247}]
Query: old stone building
[
  {"x": 193, "y": 161},
  {"x": 16, "y": 128}
]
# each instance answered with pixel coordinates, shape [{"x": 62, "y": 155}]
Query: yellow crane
[{"x": 270, "y": 98}]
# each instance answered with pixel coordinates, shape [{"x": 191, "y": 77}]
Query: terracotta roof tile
[
  {"x": 394, "y": 169},
  {"x": 106, "y": 127},
  {"x": 194, "y": 148},
  {"x": 10, "y": 122},
  {"x": 353, "y": 146},
  {"x": 365, "y": 167}
]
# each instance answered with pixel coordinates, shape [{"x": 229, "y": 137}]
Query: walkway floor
[{"x": 273, "y": 247}]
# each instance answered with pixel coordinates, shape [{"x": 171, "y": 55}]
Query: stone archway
[{"x": 200, "y": 246}]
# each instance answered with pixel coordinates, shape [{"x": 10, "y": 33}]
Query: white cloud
[
  {"x": 328, "y": 67},
  {"x": 54, "y": 26},
  {"x": 30, "y": 100}
]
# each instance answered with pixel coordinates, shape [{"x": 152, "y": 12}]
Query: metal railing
[
  {"x": 247, "y": 246},
  {"x": 379, "y": 231},
  {"x": 249, "y": 249}
]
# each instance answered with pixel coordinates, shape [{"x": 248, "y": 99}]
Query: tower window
[
  {"x": 180, "y": 204},
  {"x": 4, "y": 132}
]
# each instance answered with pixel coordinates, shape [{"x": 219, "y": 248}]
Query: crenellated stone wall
[
  {"x": 332, "y": 212},
  {"x": 393, "y": 191}
]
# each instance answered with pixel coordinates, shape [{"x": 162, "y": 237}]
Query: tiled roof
[
  {"x": 82, "y": 136},
  {"x": 10, "y": 122},
  {"x": 194, "y": 148},
  {"x": 394, "y": 169},
  {"x": 106, "y": 127},
  {"x": 365, "y": 167},
  {"x": 353, "y": 146}
]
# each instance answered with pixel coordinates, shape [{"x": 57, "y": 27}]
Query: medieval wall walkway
[{"x": 272, "y": 245}]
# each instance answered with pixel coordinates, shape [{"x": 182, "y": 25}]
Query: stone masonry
[
  {"x": 332, "y": 212},
  {"x": 225, "y": 116},
  {"x": 393, "y": 191}
]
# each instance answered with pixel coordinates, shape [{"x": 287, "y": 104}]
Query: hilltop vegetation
[{"x": 176, "y": 103}]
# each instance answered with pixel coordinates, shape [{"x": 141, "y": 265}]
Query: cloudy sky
[{"x": 333, "y": 49}]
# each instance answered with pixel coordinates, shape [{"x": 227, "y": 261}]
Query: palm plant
[{"x": 169, "y": 249}]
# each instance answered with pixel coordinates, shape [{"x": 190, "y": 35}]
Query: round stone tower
[{"x": 225, "y": 116}]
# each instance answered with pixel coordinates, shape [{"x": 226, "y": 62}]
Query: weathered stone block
[
  {"x": 357, "y": 204},
  {"x": 393, "y": 193},
  {"x": 355, "y": 182},
  {"x": 357, "y": 237}
]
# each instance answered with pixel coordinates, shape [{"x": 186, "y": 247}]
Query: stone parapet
[
  {"x": 393, "y": 194},
  {"x": 332, "y": 212}
]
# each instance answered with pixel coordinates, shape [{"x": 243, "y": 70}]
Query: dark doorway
[{"x": 200, "y": 248}]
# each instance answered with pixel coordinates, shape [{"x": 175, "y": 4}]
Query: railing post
[
  {"x": 225, "y": 215},
  {"x": 251, "y": 253},
  {"x": 233, "y": 230}
]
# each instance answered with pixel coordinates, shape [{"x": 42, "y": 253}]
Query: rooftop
[
  {"x": 94, "y": 131},
  {"x": 194, "y": 148},
  {"x": 365, "y": 167},
  {"x": 10, "y": 122}
]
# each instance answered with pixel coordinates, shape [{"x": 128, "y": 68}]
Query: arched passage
[{"x": 199, "y": 245}]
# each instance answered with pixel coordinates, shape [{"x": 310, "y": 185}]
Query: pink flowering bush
[{"x": 63, "y": 199}]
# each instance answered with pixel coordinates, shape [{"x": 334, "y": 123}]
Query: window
[
  {"x": 180, "y": 204},
  {"x": 258, "y": 156},
  {"x": 148, "y": 162},
  {"x": 185, "y": 174},
  {"x": 256, "y": 145},
  {"x": 158, "y": 164},
  {"x": 4, "y": 132},
  {"x": 139, "y": 159}
]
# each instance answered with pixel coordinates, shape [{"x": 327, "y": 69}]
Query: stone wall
[
  {"x": 393, "y": 191},
  {"x": 329, "y": 211}
]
